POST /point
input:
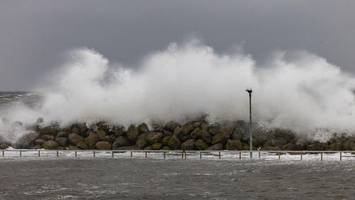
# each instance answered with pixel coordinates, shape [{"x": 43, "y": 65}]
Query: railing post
[
  {"x": 131, "y": 154},
  {"x": 3, "y": 153},
  {"x": 321, "y": 156},
  {"x": 76, "y": 154},
  {"x": 251, "y": 154},
  {"x": 20, "y": 153},
  {"x": 341, "y": 155},
  {"x": 112, "y": 155},
  {"x": 200, "y": 155},
  {"x": 240, "y": 155},
  {"x": 39, "y": 153},
  {"x": 164, "y": 155},
  {"x": 259, "y": 155},
  {"x": 146, "y": 154},
  {"x": 301, "y": 155},
  {"x": 279, "y": 156},
  {"x": 219, "y": 155},
  {"x": 57, "y": 153}
]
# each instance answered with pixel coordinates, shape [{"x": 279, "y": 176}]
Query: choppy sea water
[
  {"x": 175, "y": 179},
  {"x": 9, "y": 98}
]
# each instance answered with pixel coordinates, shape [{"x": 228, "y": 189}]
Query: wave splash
[{"x": 304, "y": 93}]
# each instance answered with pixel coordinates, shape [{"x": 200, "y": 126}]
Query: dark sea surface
[
  {"x": 175, "y": 179},
  {"x": 28, "y": 98}
]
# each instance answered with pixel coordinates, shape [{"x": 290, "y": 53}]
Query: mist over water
[{"x": 302, "y": 92}]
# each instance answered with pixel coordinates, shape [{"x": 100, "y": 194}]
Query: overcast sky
[{"x": 35, "y": 34}]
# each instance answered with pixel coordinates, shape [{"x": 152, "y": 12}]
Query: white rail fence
[{"x": 179, "y": 154}]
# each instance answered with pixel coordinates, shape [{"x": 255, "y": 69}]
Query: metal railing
[{"x": 180, "y": 154}]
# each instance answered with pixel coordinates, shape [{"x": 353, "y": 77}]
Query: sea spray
[{"x": 305, "y": 94}]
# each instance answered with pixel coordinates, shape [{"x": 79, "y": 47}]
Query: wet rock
[
  {"x": 174, "y": 142},
  {"x": 4, "y": 145},
  {"x": 171, "y": 126},
  {"x": 62, "y": 134},
  {"x": 143, "y": 128},
  {"x": 218, "y": 138},
  {"x": 74, "y": 139},
  {"x": 218, "y": 146},
  {"x": 141, "y": 141},
  {"x": 206, "y": 137},
  {"x": 132, "y": 133},
  {"x": 148, "y": 148},
  {"x": 101, "y": 134},
  {"x": 201, "y": 145},
  {"x": 62, "y": 141},
  {"x": 154, "y": 137},
  {"x": 92, "y": 139},
  {"x": 118, "y": 131},
  {"x": 82, "y": 145},
  {"x": 39, "y": 142},
  {"x": 25, "y": 141},
  {"x": 165, "y": 148},
  {"x": 47, "y": 137},
  {"x": 50, "y": 144},
  {"x": 48, "y": 130},
  {"x": 214, "y": 129},
  {"x": 196, "y": 133},
  {"x": 133, "y": 147},
  {"x": 188, "y": 145},
  {"x": 120, "y": 141},
  {"x": 183, "y": 133},
  {"x": 156, "y": 146},
  {"x": 234, "y": 145},
  {"x": 165, "y": 140},
  {"x": 103, "y": 145},
  {"x": 71, "y": 147}
]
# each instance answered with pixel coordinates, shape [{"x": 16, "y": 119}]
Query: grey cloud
[{"x": 34, "y": 34}]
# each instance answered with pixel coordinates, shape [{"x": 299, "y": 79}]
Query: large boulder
[
  {"x": 92, "y": 139},
  {"x": 234, "y": 145},
  {"x": 47, "y": 137},
  {"x": 218, "y": 138},
  {"x": 82, "y": 145},
  {"x": 39, "y": 141},
  {"x": 165, "y": 140},
  {"x": 171, "y": 126},
  {"x": 132, "y": 133},
  {"x": 49, "y": 130},
  {"x": 103, "y": 145},
  {"x": 188, "y": 145},
  {"x": 214, "y": 129},
  {"x": 183, "y": 133},
  {"x": 154, "y": 137},
  {"x": 201, "y": 145},
  {"x": 50, "y": 144},
  {"x": 118, "y": 131},
  {"x": 26, "y": 141},
  {"x": 132, "y": 147},
  {"x": 218, "y": 146},
  {"x": 206, "y": 136},
  {"x": 156, "y": 146},
  {"x": 174, "y": 142},
  {"x": 62, "y": 134},
  {"x": 62, "y": 141},
  {"x": 141, "y": 141},
  {"x": 102, "y": 134},
  {"x": 75, "y": 138},
  {"x": 120, "y": 141},
  {"x": 143, "y": 128}
]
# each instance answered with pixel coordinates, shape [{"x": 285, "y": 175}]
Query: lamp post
[{"x": 250, "y": 91}]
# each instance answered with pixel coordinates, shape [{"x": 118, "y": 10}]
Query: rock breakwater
[{"x": 192, "y": 135}]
